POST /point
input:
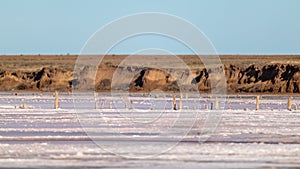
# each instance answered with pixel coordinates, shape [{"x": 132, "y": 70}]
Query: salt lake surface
[{"x": 149, "y": 134}]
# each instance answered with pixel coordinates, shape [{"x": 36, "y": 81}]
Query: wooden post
[
  {"x": 96, "y": 104},
  {"x": 174, "y": 103},
  {"x": 110, "y": 105},
  {"x": 180, "y": 103},
  {"x": 56, "y": 105},
  {"x": 229, "y": 106},
  {"x": 257, "y": 103},
  {"x": 102, "y": 105},
  {"x": 295, "y": 107},
  {"x": 217, "y": 104},
  {"x": 289, "y": 103},
  {"x": 22, "y": 106},
  {"x": 131, "y": 104},
  {"x": 96, "y": 100},
  {"x": 125, "y": 104}
]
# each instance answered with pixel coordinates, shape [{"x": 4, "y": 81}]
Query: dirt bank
[{"x": 269, "y": 78}]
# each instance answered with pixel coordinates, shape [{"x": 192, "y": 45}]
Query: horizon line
[{"x": 181, "y": 54}]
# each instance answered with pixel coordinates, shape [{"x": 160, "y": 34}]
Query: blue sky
[{"x": 233, "y": 26}]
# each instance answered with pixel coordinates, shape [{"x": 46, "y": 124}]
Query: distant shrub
[{"x": 108, "y": 63}]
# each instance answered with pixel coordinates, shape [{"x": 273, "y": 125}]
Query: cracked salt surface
[{"x": 46, "y": 138}]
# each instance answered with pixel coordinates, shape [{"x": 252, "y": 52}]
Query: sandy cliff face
[
  {"x": 46, "y": 79},
  {"x": 151, "y": 79},
  {"x": 272, "y": 78},
  {"x": 276, "y": 78}
]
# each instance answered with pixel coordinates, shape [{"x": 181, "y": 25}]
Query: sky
[{"x": 232, "y": 26}]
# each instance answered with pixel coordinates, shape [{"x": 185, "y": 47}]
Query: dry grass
[{"x": 33, "y": 62}]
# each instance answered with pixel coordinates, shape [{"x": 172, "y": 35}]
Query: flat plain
[{"x": 148, "y": 135}]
